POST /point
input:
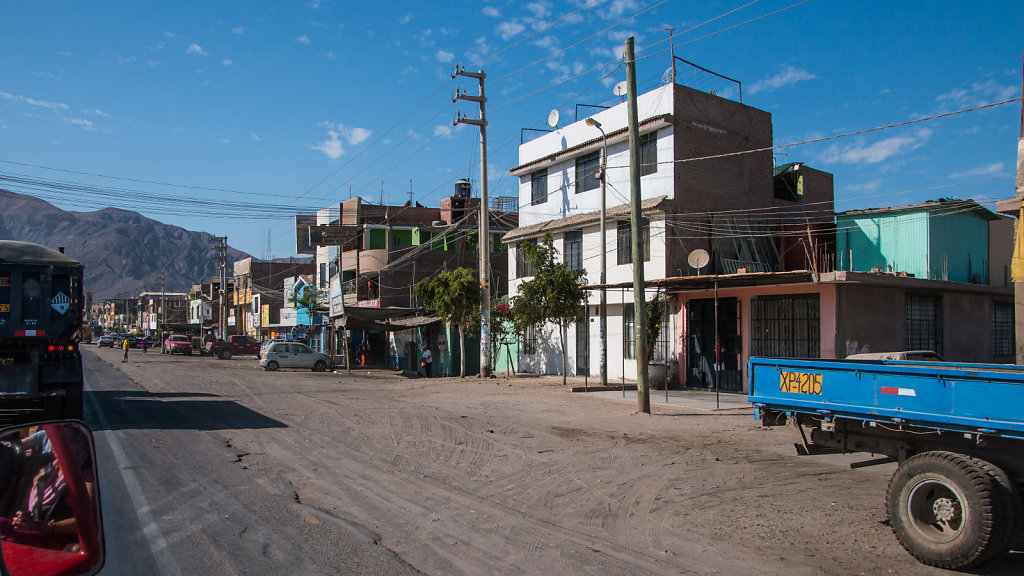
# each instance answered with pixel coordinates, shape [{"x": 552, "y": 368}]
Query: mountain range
[{"x": 123, "y": 252}]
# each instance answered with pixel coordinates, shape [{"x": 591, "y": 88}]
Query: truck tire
[
  {"x": 1013, "y": 505},
  {"x": 948, "y": 510},
  {"x": 224, "y": 354}
]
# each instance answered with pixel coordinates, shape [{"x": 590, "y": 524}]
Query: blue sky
[{"x": 277, "y": 108}]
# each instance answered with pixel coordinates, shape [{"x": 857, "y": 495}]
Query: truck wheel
[
  {"x": 272, "y": 366},
  {"x": 225, "y": 354},
  {"x": 1013, "y": 505},
  {"x": 320, "y": 366},
  {"x": 947, "y": 510}
]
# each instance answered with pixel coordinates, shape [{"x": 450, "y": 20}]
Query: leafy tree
[
  {"x": 311, "y": 301},
  {"x": 554, "y": 295},
  {"x": 455, "y": 295}
]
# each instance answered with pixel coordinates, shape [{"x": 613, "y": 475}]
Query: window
[
  {"x": 661, "y": 347},
  {"x": 628, "y": 332},
  {"x": 924, "y": 323},
  {"x": 624, "y": 241},
  {"x": 530, "y": 340},
  {"x": 1002, "y": 329},
  {"x": 587, "y": 168},
  {"x": 785, "y": 326},
  {"x": 648, "y": 153},
  {"x": 539, "y": 187},
  {"x": 524, "y": 268},
  {"x": 572, "y": 249}
]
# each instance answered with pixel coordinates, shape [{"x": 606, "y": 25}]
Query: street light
[{"x": 603, "y": 309}]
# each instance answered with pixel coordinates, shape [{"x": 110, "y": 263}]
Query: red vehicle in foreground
[
  {"x": 234, "y": 345},
  {"x": 177, "y": 343}
]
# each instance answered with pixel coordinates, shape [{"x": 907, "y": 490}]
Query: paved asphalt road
[{"x": 176, "y": 501}]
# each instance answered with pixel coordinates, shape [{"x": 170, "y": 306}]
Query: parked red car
[{"x": 177, "y": 343}]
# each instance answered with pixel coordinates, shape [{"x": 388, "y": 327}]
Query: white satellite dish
[
  {"x": 698, "y": 259},
  {"x": 620, "y": 89},
  {"x": 553, "y": 119}
]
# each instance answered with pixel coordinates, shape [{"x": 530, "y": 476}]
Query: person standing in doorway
[
  {"x": 124, "y": 346},
  {"x": 427, "y": 360}
]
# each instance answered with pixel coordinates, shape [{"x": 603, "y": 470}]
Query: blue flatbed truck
[{"x": 955, "y": 430}]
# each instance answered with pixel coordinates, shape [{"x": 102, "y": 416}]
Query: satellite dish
[
  {"x": 553, "y": 119},
  {"x": 620, "y": 89},
  {"x": 698, "y": 259}
]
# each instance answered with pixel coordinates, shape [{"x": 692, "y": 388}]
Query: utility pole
[
  {"x": 484, "y": 241},
  {"x": 603, "y": 307},
  {"x": 643, "y": 397},
  {"x": 163, "y": 302},
  {"x": 220, "y": 254}
]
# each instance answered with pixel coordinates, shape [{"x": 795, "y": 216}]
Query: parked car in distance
[
  {"x": 911, "y": 355},
  {"x": 294, "y": 355},
  {"x": 105, "y": 340},
  {"x": 177, "y": 343},
  {"x": 234, "y": 345},
  {"x": 266, "y": 344}
]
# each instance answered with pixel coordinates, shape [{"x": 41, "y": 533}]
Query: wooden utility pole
[{"x": 643, "y": 392}]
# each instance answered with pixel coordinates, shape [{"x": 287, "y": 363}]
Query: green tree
[
  {"x": 455, "y": 295},
  {"x": 655, "y": 316},
  {"x": 554, "y": 295},
  {"x": 310, "y": 301}
]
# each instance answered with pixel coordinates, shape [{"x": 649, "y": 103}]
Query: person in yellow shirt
[{"x": 124, "y": 346}]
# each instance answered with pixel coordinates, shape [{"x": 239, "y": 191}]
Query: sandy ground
[{"x": 522, "y": 476}]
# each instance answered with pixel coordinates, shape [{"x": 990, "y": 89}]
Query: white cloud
[
  {"x": 226, "y": 62},
  {"x": 987, "y": 170},
  {"x": 225, "y": 141},
  {"x": 539, "y": 9},
  {"x": 124, "y": 59},
  {"x": 615, "y": 9},
  {"x": 195, "y": 50},
  {"x": 332, "y": 147},
  {"x": 491, "y": 11},
  {"x": 254, "y": 136},
  {"x": 80, "y": 122},
  {"x": 331, "y": 56},
  {"x": 509, "y": 29},
  {"x": 152, "y": 63},
  {"x": 978, "y": 93},
  {"x": 98, "y": 112},
  {"x": 33, "y": 102},
  {"x": 314, "y": 4},
  {"x": 239, "y": 30},
  {"x": 877, "y": 152},
  {"x": 443, "y": 131},
  {"x": 304, "y": 40},
  {"x": 786, "y": 76},
  {"x": 406, "y": 19},
  {"x": 444, "y": 57}
]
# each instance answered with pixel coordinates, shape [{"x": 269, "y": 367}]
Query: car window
[{"x": 300, "y": 349}]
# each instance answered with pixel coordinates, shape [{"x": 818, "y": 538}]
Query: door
[
  {"x": 582, "y": 343},
  {"x": 703, "y": 366}
]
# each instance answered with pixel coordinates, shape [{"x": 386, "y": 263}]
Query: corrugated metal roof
[
  {"x": 655, "y": 204},
  {"x": 951, "y": 205}
]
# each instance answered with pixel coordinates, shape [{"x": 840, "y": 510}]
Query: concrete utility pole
[
  {"x": 484, "y": 242},
  {"x": 643, "y": 392},
  {"x": 220, "y": 254}
]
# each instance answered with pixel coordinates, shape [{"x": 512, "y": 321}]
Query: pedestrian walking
[
  {"x": 124, "y": 346},
  {"x": 144, "y": 344}
]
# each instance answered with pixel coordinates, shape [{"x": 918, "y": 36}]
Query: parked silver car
[{"x": 294, "y": 355}]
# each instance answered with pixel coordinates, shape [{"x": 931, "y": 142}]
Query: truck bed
[{"x": 977, "y": 398}]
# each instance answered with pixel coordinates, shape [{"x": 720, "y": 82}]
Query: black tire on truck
[
  {"x": 225, "y": 353},
  {"x": 948, "y": 510}
]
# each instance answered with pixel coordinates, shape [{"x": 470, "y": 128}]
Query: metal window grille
[
  {"x": 530, "y": 341},
  {"x": 572, "y": 249},
  {"x": 628, "y": 332},
  {"x": 624, "y": 241},
  {"x": 1003, "y": 341},
  {"x": 924, "y": 323},
  {"x": 587, "y": 168},
  {"x": 539, "y": 187},
  {"x": 786, "y": 326}
]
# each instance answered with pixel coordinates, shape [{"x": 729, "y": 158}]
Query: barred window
[
  {"x": 587, "y": 168},
  {"x": 524, "y": 268},
  {"x": 572, "y": 249},
  {"x": 785, "y": 326},
  {"x": 628, "y": 332},
  {"x": 1003, "y": 342},
  {"x": 624, "y": 241},
  {"x": 539, "y": 187},
  {"x": 924, "y": 323},
  {"x": 530, "y": 340},
  {"x": 648, "y": 153}
]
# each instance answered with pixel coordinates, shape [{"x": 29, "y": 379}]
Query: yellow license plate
[
  {"x": 5, "y": 307},
  {"x": 6, "y": 361},
  {"x": 800, "y": 383}
]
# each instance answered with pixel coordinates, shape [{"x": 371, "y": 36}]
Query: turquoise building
[{"x": 945, "y": 239}]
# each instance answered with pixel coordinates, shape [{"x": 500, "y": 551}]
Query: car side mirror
[{"x": 50, "y": 520}]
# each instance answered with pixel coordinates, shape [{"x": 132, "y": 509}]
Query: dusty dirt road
[{"x": 521, "y": 476}]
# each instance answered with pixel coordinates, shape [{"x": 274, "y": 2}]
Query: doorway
[
  {"x": 582, "y": 343},
  {"x": 700, "y": 349}
]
